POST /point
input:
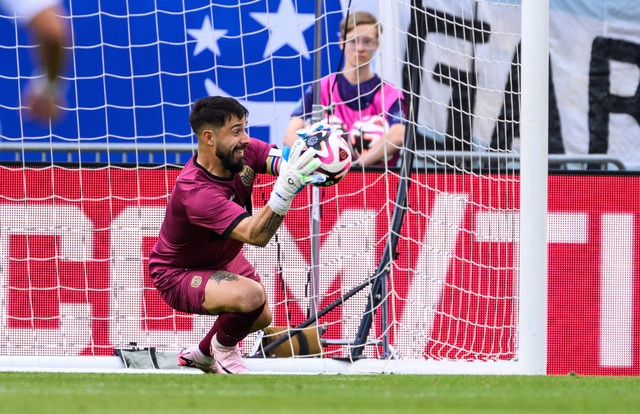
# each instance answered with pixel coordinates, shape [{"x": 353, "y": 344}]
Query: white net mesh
[{"x": 81, "y": 201}]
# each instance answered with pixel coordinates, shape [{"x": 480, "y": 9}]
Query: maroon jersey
[{"x": 202, "y": 211}]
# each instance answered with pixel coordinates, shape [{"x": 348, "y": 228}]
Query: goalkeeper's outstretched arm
[{"x": 293, "y": 176}]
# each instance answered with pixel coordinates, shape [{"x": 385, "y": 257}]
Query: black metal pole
[
  {"x": 411, "y": 86},
  {"x": 314, "y": 318}
]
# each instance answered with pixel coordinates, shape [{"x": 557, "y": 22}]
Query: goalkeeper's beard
[{"x": 229, "y": 162}]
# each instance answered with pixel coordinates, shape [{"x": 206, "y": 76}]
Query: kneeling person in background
[{"x": 369, "y": 110}]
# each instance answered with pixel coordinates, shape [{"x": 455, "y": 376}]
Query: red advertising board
[{"x": 76, "y": 242}]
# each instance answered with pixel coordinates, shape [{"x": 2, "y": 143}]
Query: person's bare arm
[
  {"x": 44, "y": 96},
  {"x": 258, "y": 229},
  {"x": 51, "y": 34},
  {"x": 290, "y": 135}
]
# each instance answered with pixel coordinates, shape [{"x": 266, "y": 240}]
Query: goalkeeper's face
[{"x": 232, "y": 141}]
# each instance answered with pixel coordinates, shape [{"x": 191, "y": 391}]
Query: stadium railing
[{"x": 180, "y": 153}]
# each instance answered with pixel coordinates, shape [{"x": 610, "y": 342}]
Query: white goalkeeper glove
[{"x": 296, "y": 171}]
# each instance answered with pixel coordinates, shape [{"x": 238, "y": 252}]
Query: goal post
[
  {"x": 534, "y": 167},
  {"x": 465, "y": 273}
]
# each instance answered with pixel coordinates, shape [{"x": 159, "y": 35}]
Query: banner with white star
[{"x": 138, "y": 66}]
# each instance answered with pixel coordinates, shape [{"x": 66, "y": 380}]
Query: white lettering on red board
[
  {"x": 74, "y": 231},
  {"x": 352, "y": 239}
]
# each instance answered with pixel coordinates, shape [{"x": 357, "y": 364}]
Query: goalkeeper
[
  {"x": 197, "y": 264},
  {"x": 357, "y": 101}
]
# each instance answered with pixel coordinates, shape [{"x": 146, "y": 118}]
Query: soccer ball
[
  {"x": 367, "y": 131},
  {"x": 334, "y": 153}
]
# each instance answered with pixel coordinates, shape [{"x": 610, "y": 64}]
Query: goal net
[{"x": 412, "y": 267}]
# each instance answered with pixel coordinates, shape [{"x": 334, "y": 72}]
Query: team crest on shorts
[
  {"x": 196, "y": 281},
  {"x": 246, "y": 175}
]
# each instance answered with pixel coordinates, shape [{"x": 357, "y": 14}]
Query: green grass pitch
[{"x": 70, "y": 393}]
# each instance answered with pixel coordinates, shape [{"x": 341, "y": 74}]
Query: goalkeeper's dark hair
[{"x": 215, "y": 111}]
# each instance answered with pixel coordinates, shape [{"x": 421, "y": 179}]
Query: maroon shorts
[{"x": 187, "y": 292}]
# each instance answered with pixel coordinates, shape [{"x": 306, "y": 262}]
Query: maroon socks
[{"x": 231, "y": 328}]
